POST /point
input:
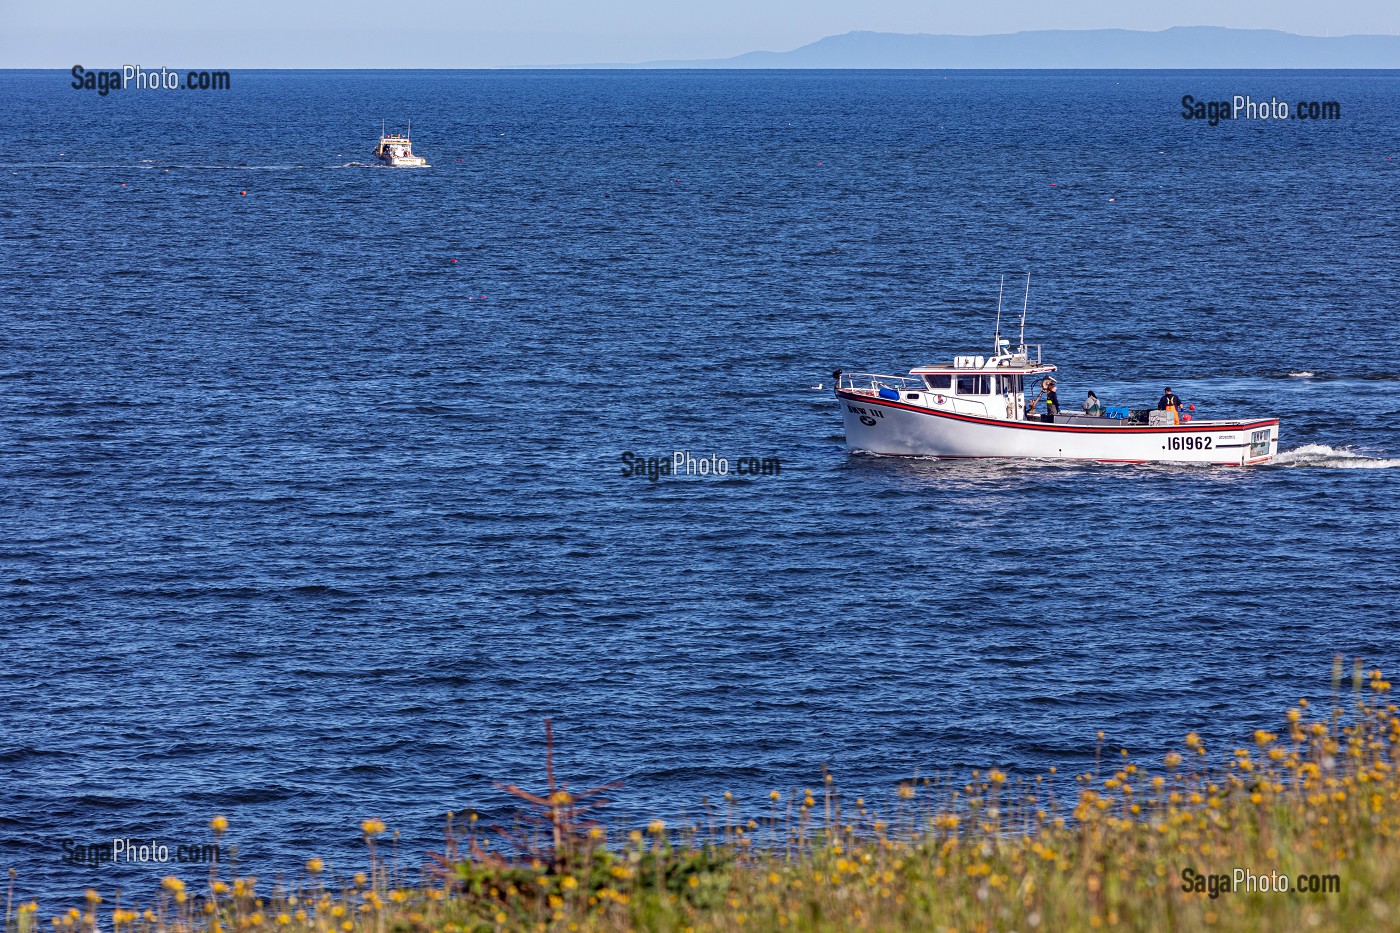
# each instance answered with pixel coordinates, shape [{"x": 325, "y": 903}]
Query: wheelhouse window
[
  {"x": 1010, "y": 384},
  {"x": 939, "y": 381},
  {"x": 974, "y": 385}
]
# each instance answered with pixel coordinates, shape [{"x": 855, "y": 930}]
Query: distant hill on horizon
[{"x": 1177, "y": 47}]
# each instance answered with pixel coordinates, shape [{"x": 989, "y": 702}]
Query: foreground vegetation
[{"x": 1316, "y": 804}]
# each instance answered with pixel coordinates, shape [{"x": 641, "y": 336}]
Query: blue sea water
[{"x": 313, "y": 506}]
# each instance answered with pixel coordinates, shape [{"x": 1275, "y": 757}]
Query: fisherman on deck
[
  {"x": 1092, "y": 406},
  {"x": 1052, "y": 401},
  {"x": 1170, "y": 402}
]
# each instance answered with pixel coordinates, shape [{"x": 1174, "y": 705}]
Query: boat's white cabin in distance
[{"x": 396, "y": 150}]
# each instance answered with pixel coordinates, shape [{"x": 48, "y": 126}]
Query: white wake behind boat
[{"x": 976, "y": 408}]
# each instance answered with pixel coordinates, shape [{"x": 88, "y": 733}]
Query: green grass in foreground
[{"x": 1319, "y": 798}]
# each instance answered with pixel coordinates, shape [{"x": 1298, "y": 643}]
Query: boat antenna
[
  {"x": 410, "y": 130},
  {"x": 996, "y": 336},
  {"x": 1024, "y": 305}
]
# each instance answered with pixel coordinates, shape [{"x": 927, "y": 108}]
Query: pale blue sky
[{"x": 478, "y": 34}]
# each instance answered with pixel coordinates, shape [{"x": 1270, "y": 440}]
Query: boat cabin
[
  {"x": 394, "y": 146},
  {"x": 988, "y": 387}
]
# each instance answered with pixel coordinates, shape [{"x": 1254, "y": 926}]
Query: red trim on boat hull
[
  {"x": 1057, "y": 428},
  {"x": 1229, "y": 463}
]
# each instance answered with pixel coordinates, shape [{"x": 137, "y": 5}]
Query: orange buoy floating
[{"x": 243, "y": 193}]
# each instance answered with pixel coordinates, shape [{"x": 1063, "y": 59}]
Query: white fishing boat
[
  {"x": 976, "y": 407},
  {"x": 397, "y": 151}
]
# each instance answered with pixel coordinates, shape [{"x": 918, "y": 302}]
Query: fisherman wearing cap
[
  {"x": 1052, "y": 401},
  {"x": 1170, "y": 402}
]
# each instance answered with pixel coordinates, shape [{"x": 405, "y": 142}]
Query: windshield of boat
[{"x": 974, "y": 384}]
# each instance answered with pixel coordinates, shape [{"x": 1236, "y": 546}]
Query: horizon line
[{"x": 720, "y": 62}]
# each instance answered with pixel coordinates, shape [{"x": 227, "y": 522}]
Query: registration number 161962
[{"x": 1189, "y": 442}]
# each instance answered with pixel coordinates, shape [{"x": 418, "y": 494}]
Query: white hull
[
  {"x": 396, "y": 151},
  {"x": 884, "y": 426}
]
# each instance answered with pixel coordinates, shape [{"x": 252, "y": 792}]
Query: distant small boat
[{"x": 396, "y": 151}]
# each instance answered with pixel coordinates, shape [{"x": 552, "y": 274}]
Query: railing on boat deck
[
  {"x": 877, "y": 381},
  {"x": 874, "y": 382}
]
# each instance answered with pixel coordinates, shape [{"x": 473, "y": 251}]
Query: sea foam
[{"x": 1321, "y": 455}]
